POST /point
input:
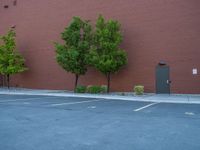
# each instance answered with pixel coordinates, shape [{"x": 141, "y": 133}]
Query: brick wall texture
[{"x": 153, "y": 30}]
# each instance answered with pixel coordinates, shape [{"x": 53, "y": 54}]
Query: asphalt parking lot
[{"x": 62, "y": 123}]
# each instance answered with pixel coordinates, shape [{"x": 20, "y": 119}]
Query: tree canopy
[{"x": 71, "y": 55}]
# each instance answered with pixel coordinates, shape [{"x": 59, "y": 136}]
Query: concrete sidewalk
[{"x": 149, "y": 97}]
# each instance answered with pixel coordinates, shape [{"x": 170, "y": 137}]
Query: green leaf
[
  {"x": 11, "y": 62},
  {"x": 72, "y": 55}
]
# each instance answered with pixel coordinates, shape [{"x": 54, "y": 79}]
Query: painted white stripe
[
  {"x": 146, "y": 106},
  {"x": 72, "y": 103},
  {"x": 24, "y": 99},
  {"x": 189, "y": 113},
  {"x": 92, "y": 107}
]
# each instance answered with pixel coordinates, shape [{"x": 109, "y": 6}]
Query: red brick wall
[{"x": 153, "y": 30}]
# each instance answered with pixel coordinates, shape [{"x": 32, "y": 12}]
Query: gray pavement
[{"x": 35, "y": 122}]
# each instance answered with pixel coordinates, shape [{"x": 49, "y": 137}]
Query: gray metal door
[{"x": 162, "y": 80}]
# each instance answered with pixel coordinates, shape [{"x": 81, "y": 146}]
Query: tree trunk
[
  {"x": 8, "y": 81},
  {"x": 76, "y": 81},
  {"x": 108, "y": 82},
  {"x": 4, "y": 80}
]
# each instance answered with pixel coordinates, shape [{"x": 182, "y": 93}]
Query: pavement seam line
[
  {"x": 146, "y": 106},
  {"x": 72, "y": 103}
]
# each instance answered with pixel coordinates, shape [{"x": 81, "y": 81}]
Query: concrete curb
[{"x": 174, "y": 98}]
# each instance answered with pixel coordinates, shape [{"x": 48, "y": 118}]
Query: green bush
[
  {"x": 104, "y": 88},
  {"x": 80, "y": 89},
  {"x": 96, "y": 89},
  {"x": 139, "y": 89}
]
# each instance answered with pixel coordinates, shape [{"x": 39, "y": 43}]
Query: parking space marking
[
  {"x": 23, "y": 99},
  {"x": 92, "y": 107},
  {"x": 72, "y": 103},
  {"x": 189, "y": 113},
  {"x": 146, "y": 106}
]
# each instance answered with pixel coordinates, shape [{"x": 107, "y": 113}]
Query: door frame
[{"x": 162, "y": 66}]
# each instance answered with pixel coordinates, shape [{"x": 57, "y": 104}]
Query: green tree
[
  {"x": 106, "y": 56},
  {"x": 71, "y": 55},
  {"x": 11, "y": 62}
]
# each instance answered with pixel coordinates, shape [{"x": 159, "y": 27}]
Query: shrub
[
  {"x": 96, "y": 89},
  {"x": 104, "y": 88},
  {"x": 93, "y": 89},
  {"x": 139, "y": 89},
  {"x": 80, "y": 89}
]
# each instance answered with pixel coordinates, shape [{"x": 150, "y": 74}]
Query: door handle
[{"x": 168, "y": 81}]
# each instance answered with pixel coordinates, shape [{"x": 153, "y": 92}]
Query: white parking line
[
  {"x": 189, "y": 113},
  {"x": 24, "y": 99},
  {"x": 72, "y": 103},
  {"x": 146, "y": 106},
  {"x": 92, "y": 107}
]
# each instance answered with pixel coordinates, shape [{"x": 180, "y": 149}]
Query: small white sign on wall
[{"x": 194, "y": 71}]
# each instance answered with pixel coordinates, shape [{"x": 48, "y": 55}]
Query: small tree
[
  {"x": 106, "y": 56},
  {"x": 11, "y": 62},
  {"x": 71, "y": 55}
]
